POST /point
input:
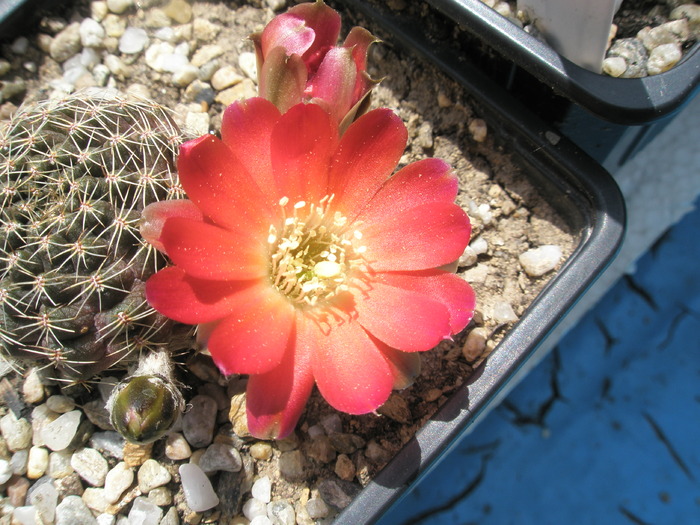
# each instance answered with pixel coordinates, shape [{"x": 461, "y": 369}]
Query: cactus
[{"x": 74, "y": 177}]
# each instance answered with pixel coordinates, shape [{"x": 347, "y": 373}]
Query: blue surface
[{"x": 606, "y": 429}]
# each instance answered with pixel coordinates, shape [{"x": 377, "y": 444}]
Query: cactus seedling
[{"x": 75, "y": 175}]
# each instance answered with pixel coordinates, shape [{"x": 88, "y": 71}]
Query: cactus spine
[{"x": 75, "y": 175}]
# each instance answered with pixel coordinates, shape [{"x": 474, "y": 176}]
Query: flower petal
[
  {"x": 302, "y": 144},
  {"x": 189, "y": 300},
  {"x": 206, "y": 251},
  {"x": 423, "y": 237},
  {"x": 421, "y": 182},
  {"x": 359, "y": 40},
  {"x": 402, "y": 319},
  {"x": 253, "y": 338},
  {"x": 283, "y": 79},
  {"x": 155, "y": 214},
  {"x": 246, "y": 128},
  {"x": 351, "y": 372},
  {"x": 367, "y": 154},
  {"x": 289, "y": 31},
  {"x": 215, "y": 180},
  {"x": 405, "y": 367},
  {"x": 334, "y": 82},
  {"x": 276, "y": 399},
  {"x": 449, "y": 289}
]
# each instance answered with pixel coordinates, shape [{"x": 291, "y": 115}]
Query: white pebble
[
  {"x": 91, "y": 33},
  {"x": 663, "y": 58},
  {"x": 503, "y": 312},
  {"x": 539, "y": 261},
  {"x": 59, "y": 433},
  {"x": 479, "y": 245},
  {"x": 119, "y": 69},
  {"x": 59, "y": 464},
  {"x": 478, "y": 129},
  {"x": 44, "y": 499},
  {"x": 475, "y": 344},
  {"x": 37, "y": 462},
  {"x": 73, "y": 510},
  {"x": 206, "y": 53},
  {"x": 17, "y": 432},
  {"x": 158, "y": 55},
  {"x": 151, "y": 475},
  {"x": 468, "y": 257},
  {"x": 133, "y": 41},
  {"x": 253, "y": 508},
  {"x": 260, "y": 520},
  {"x": 90, "y": 465},
  {"x": 262, "y": 489},
  {"x": 119, "y": 6},
  {"x": 185, "y": 74},
  {"x": 225, "y": 77},
  {"x": 32, "y": 388},
  {"x": 248, "y": 64},
  {"x": 18, "y": 462},
  {"x": 106, "y": 519},
  {"x": 199, "y": 493},
  {"x": 117, "y": 481},
  {"x": 24, "y": 515},
  {"x": 143, "y": 512},
  {"x": 60, "y": 404},
  {"x": 166, "y": 34},
  {"x": 614, "y": 66},
  {"x": 5, "y": 471}
]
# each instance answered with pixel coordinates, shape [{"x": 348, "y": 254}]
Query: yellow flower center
[{"x": 314, "y": 252}]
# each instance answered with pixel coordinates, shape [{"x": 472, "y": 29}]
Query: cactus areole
[{"x": 303, "y": 261}]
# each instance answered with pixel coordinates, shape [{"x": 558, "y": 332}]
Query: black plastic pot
[
  {"x": 610, "y": 118},
  {"x": 581, "y": 190}
]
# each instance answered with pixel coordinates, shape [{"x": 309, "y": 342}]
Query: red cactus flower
[
  {"x": 298, "y": 61},
  {"x": 304, "y": 262}
]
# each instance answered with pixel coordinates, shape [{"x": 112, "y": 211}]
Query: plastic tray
[
  {"x": 581, "y": 190},
  {"x": 621, "y": 100}
]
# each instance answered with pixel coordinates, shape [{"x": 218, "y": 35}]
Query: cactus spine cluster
[{"x": 74, "y": 177}]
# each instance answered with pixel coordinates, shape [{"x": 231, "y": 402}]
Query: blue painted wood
[{"x": 606, "y": 429}]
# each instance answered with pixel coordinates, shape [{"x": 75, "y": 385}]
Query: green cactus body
[{"x": 75, "y": 175}]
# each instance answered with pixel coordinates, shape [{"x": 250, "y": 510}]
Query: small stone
[
  {"x": 109, "y": 442},
  {"x": 475, "y": 344},
  {"x": 332, "y": 424},
  {"x": 220, "y": 456},
  {"x": 317, "y": 508},
  {"x": 199, "y": 91},
  {"x": 24, "y": 515},
  {"x": 133, "y": 41},
  {"x": 291, "y": 465},
  {"x": 59, "y": 464},
  {"x": 254, "y": 508},
  {"x": 468, "y": 257},
  {"x": 199, "y": 493},
  {"x": 281, "y": 513},
  {"x": 261, "y": 520},
  {"x": 106, "y": 519},
  {"x": 275, "y": 5},
  {"x": 635, "y": 55},
  {"x": 204, "y": 30},
  {"x": 16, "y": 490},
  {"x": 136, "y": 454},
  {"x": 151, "y": 475},
  {"x": 156, "y": 19},
  {"x": 321, "y": 449},
  {"x": 691, "y": 12},
  {"x": 171, "y": 517},
  {"x": 114, "y": 25},
  {"x": 73, "y": 511},
  {"x": 91, "y": 33},
  {"x": 179, "y": 10},
  {"x": 185, "y": 75},
  {"x": 59, "y": 433},
  {"x": 614, "y": 66},
  {"x": 199, "y": 421},
  {"x": 346, "y": 443},
  {"x": 94, "y": 498},
  {"x": 37, "y": 462},
  {"x": 261, "y": 451},
  {"x": 663, "y": 58},
  {"x": 69, "y": 485},
  {"x": 44, "y": 499},
  {"x": 90, "y": 465},
  {"x": 248, "y": 64},
  {"x": 344, "y": 468},
  {"x": 20, "y": 45},
  {"x": 119, "y": 6},
  {"x": 66, "y": 43},
  {"x": 443, "y": 100},
  {"x": 478, "y": 129},
  {"x": 262, "y": 489},
  {"x": 117, "y": 67},
  {"x": 118, "y": 479},
  {"x": 143, "y": 512},
  {"x": 17, "y": 432},
  {"x": 206, "y": 53},
  {"x": 176, "y": 447},
  {"x": 5, "y": 471},
  {"x": 503, "y": 312},
  {"x": 674, "y": 32},
  {"x": 539, "y": 261},
  {"x": 225, "y": 77},
  {"x": 479, "y": 245},
  {"x": 396, "y": 408},
  {"x": 18, "y": 462},
  {"x": 242, "y": 90},
  {"x": 161, "y": 496},
  {"x": 98, "y": 9},
  {"x": 32, "y": 388},
  {"x": 337, "y": 492},
  {"x": 60, "y": 404}
]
